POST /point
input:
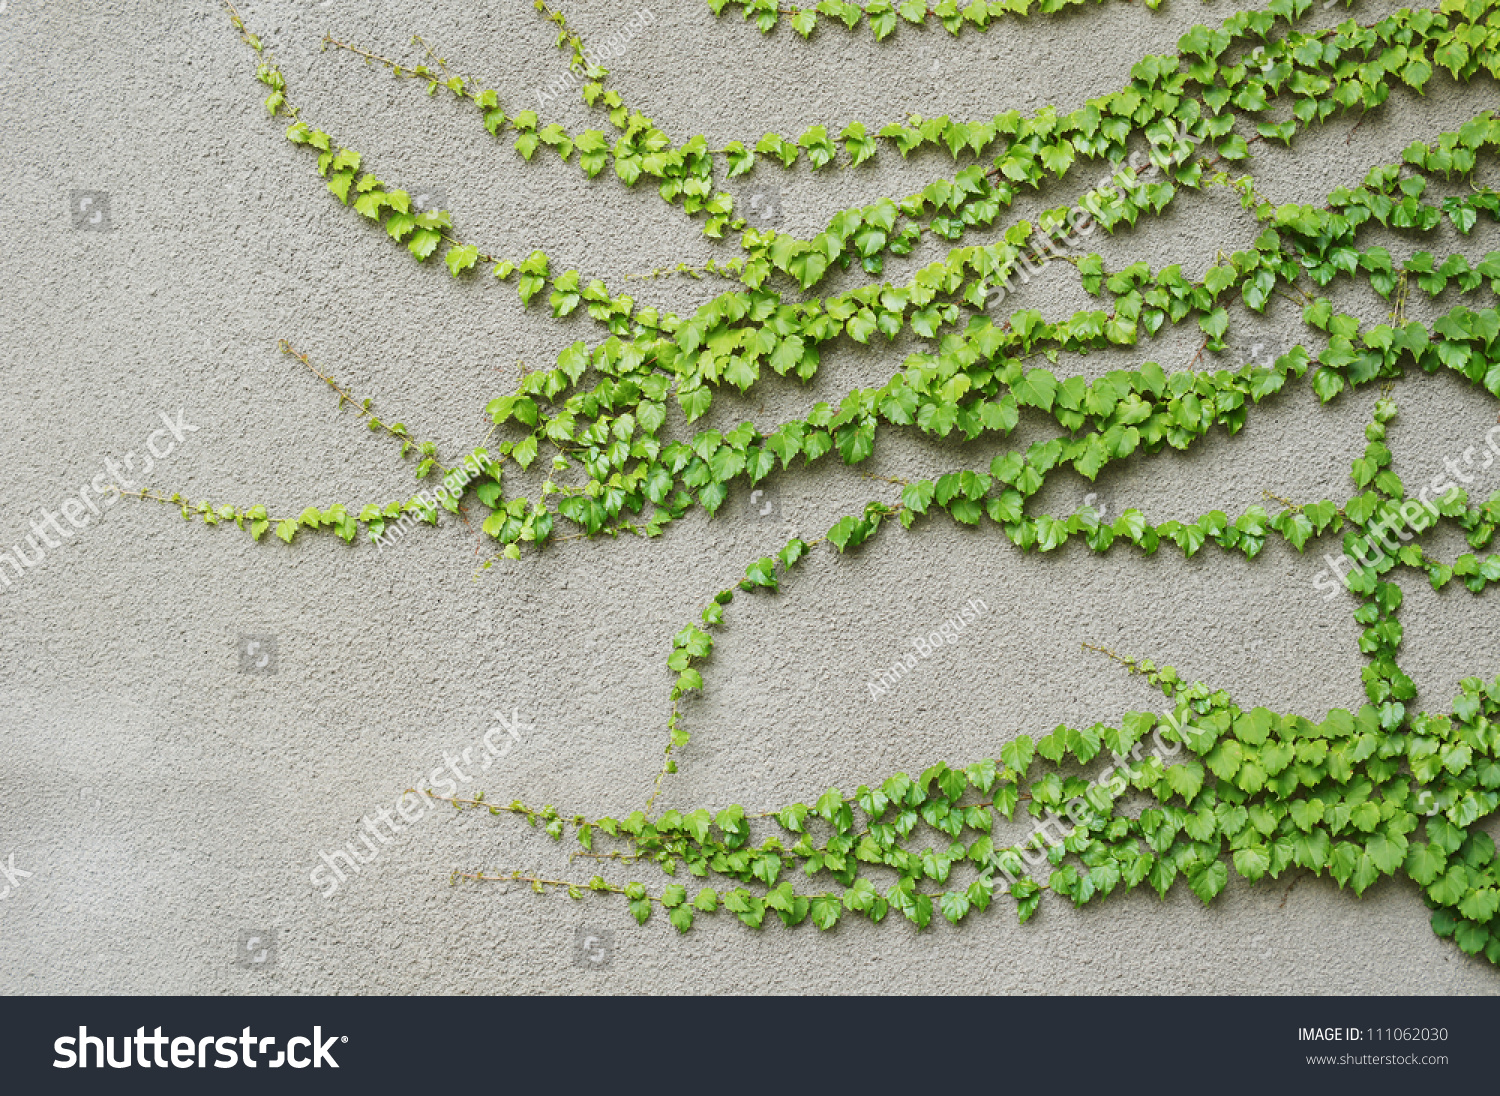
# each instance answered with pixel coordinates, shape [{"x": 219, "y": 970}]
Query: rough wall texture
[{"x": 168, "y": 804}]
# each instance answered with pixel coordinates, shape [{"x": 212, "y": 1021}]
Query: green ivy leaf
[
  {"x": 1207, "y": 880},
  {"x": 459, "y": 258}
]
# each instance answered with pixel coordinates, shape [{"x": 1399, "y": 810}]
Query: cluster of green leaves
[
  {"x": 1259, "y": 791},
  {"x": 1252, "y": 792},
  {"x": 1174, "y": 109},
  {"x": 976, "y": 382},
  {"x": 686, "y": 170},
  {"x": 730, "y": 339},
  {"x": 883, "y": 15},
  {"x": 1175, "y": 103}
]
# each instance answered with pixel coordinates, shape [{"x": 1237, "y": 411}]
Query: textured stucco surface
[{"x": 166, "y": 802}]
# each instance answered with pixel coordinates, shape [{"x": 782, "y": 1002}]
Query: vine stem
[
  {"x": 426, "y": 449},
  {"x": 538, "y": 882},
  {"x": 479, "y": 801},
  {"x": 330, "y": 40},
  {"x": 177, "y": 500},
  {"x": 454, "y": 241},
  {"x": 416, "y": 72},
  {"x": 1307, "y": 298},
  {"x": 668, "y": 764},
  {"x": 362, "y": 407},
  {"x": 1295, "y": 507},
  {"x": 1124, "y": 660},
  {"x": 697, "y": 273},
  {"x": 1362, "y": 116},
  {"x": 1201, "y": 348},
  {"x": 623, "y": 857},
  {"x": 239, "y": 24}
]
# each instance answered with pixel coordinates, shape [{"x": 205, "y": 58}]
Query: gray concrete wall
[{"x": 167, "y": 803}]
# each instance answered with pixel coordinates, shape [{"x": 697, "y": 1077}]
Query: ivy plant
[{"x": 1385, "y": 790}]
